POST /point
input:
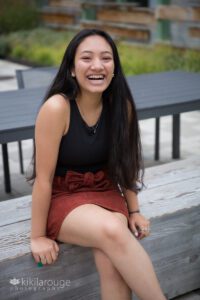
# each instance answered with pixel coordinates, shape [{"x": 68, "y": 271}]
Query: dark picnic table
[
  {"x": 166, "y": 93},
  {"x": 156, "y": 95}
]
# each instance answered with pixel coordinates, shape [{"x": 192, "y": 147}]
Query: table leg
[
  {"x": 157, "y": 139},
  {"x": 176, "y": 136},
  {"x": 21, "y": 157},
  {"x": 6, "y": 168}
]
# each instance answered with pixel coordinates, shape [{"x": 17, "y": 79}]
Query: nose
[{"x": 97, "y": 64}]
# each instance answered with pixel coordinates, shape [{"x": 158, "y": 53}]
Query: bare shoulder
[
  {"x": 57, "y": 103},
  {"x": 55, "y": 112}
]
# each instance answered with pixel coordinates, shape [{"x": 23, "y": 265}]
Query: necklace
[{"x": 90, "y": 129}]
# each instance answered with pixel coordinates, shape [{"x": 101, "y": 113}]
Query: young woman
[{"x": 88, "y": 170}]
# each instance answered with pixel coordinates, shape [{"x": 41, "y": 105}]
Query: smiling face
[{"x": 93, "y": 65}]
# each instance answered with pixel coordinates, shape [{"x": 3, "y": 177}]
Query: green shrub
[
  {"x": 136, "y": 60},
  {"x": 17, "y": 15},
  {"x": 19, "y": 52},
  {"x": 158, "y": 58},
  {"x": 192, "y": 60},
  {"x": 4, "y": 47},
  {"x": 172, "y": 59},
  {"x": 39, "y": 46},
  {"x": 42, "y": 56}
]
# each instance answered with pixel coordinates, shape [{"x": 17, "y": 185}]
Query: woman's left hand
[{"x": 139, "y": 224}]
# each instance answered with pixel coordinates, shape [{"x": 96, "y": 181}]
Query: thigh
[{"x": 85, "y": 225}]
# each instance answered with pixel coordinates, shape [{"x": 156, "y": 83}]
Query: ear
[{"x": 73, "y": 73}]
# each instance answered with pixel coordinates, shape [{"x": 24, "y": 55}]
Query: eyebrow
[{"x": 102, "y": 52}]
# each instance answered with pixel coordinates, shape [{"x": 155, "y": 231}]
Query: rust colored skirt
[{"x": 76, "y": 189}]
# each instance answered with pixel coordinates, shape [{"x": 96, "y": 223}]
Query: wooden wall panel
[
  {"x": 133, "y": 17},
  {"x": 194, "y": 32},
  {"x": 58, "y": 18},
  {"x": 65, "y": 3},
  {"x": 177, "y": 13},
  {"x": 142, "y": 35}
]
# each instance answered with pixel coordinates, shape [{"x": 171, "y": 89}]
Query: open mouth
[{"x": 96, "y": 77}]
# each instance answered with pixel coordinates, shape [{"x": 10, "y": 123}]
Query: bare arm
[
  {"x": 131, "y": 199},
  {"x": 137, "y": 222},
  {"x": 131, "y": 196},
  {"x": 51, "y": 124}
]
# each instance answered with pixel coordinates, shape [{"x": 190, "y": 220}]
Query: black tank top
[{"x": 80, "y": 149}]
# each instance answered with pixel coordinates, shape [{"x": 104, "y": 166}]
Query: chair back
[{"x": 35, "y": 77}]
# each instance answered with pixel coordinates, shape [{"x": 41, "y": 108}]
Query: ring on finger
[{"x": 145, "y": 229}]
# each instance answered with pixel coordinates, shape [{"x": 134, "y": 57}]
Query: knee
[{"x": 115, "y": 232}]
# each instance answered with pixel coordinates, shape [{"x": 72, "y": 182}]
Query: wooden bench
[{"x": 172, "y": 203}]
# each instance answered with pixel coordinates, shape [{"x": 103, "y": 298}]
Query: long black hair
[{"x": 125, "y": 163}]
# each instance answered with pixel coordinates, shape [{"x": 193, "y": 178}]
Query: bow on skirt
[{"x": 77, "y": 182}]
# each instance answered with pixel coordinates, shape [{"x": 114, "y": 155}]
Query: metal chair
[{"x": 33, "y": 78}]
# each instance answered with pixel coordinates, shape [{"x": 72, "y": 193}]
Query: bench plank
[{"x": 153, "y": 203}]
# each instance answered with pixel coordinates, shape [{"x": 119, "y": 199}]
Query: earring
[
  {"x": 113, "y": 75},
  {"x": 73, "y": 75}
]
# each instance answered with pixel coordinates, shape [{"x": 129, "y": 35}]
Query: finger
[
  {"x": 141, "y": 236},
  {"x": 134, "y": 230},
  {"x": 48, "y": 258},
  {"x": 43, "y": 259},
  {"x": 144, "y": 234},
  {"x": 36, "y": 257},
  {"x": 54, "y": 255},
  {"x": 56, "y": 247}
]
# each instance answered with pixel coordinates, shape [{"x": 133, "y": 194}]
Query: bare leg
[
  {"x": 113, "y": 286},
  {"x": 93, "y": 226}
]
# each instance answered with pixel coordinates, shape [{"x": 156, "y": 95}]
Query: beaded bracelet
[{"x": 133, "y": 212}]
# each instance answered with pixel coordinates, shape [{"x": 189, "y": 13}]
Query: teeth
[{"x": 96, "y": 77}]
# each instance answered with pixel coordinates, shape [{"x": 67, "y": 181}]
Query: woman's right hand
[{"x": 44, "y": 250}]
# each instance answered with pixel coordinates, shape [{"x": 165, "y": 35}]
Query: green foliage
[
  {"x": 17, "y": 15},
  {"x": 4, "y": 47},
  {"x": 192, "y": 61},
  {"x": 138, "y": 60},
  {"x": 39, "y": 46},
  {"x": 46, "y": 47}
]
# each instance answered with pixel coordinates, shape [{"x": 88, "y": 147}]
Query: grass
[{"x": 46, "y": 47}]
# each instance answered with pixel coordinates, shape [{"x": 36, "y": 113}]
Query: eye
[
  {"x": 86, "y": 58},
  {"x": 107, "y": 58}
]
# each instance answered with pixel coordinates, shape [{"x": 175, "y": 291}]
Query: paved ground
[
  {"x": 190, "y": 139},
  {"x": 190, "y": 144}
]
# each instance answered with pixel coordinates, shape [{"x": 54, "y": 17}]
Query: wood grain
[
  {"x": 136, "y": 16},
  {"x": 133, "y": 32},
  {"x": 177, "y": 13}
]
